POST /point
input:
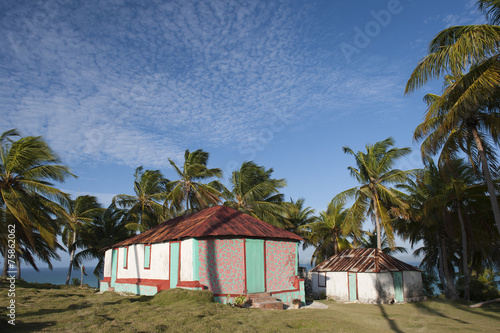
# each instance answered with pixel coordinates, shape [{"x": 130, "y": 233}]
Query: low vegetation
[{"x": 51, "y": 308}]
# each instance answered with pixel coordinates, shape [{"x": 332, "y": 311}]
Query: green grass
[{"x": 45, "y": 307}]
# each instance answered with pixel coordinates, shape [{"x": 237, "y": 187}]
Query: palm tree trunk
[
  {"x": 18, "y": 266},
  {"x": 6, "y": 261},
  {"x": 72, "y": 257},
  {"x": 487, "y": 176},
  {"x": 377, "y": 222},
  {"x": 465, "y": 261},
  {"x": 450, "y": 283},
  {"x": 440, "y": 265}
]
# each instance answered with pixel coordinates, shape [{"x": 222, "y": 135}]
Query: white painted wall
[
  {"x": 107, "y": 263},
  {"x": 412, "y": 282},
  {"x": 187, "y": 260},
  {"x": 159, "y": 267},
  {"x": 314, "y": 281},
  {"x": 336, "y": 286},
  {"x": 373, "y": 287}
]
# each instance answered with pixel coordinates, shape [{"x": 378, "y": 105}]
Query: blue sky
[{"x": 112, "y": 85}]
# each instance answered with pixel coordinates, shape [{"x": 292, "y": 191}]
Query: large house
[
  {"x": 367, "y": 276},
  {"x": 219, "y": 248}
]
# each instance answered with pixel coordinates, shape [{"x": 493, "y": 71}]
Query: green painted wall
[
  {"x": 114, "y": 266},
  {"x": 174, "y": 264},
  {"x": 196, "y": 261}
]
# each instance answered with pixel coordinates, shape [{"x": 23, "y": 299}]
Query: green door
[
  {"x": 398, "y": 286},
  {"x": 174, "y": 264},
  {"x": 114, "y": 266},
  {"x": 353, "y": 294},
  {"x": 255, "y": 265}
]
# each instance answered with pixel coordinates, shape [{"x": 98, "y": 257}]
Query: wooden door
[{"x": 255, "y": 273}]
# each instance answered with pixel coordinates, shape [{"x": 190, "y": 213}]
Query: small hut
[
  {"x": 219, "y": 248},
  {"x": 367, "y": 276}
]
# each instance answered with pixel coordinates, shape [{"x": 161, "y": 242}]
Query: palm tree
[
  {"x": 187, "y": 190},
  {"x": 32, "y": 245},
  {"x": 370, "y": 242},
  {"x": 296, "y": 215},
  {"x": 328, "y": 234},
  {"x": 256, "y": 193},
  {"x": 80, "y": 211},
  {"x": 463, "y": 189},
  {"x": 26, "y": 167},
  {"x": 430, "y": 224},
  {"x": 471, "y": 96},
  {"x": 466, "y": 129},
  {"x": 146, "y": 208},
  {"x": 375, "y": 197},
  {"x": 105, "y": 230}
]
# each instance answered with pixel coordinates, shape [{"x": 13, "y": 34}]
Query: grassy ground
[{"x": 45, "y": 307}]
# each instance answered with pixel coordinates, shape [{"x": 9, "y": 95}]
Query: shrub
[
  {"x": 167, "y": 297},
  {"x": 75, "y": 281},
  {"x": 239, "y": 301}
]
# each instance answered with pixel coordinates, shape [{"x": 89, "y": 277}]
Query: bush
[
  {"x": 483, "y": 287},
  {"x": 75, "y": 281},
  {"x": 167, "y": 297},
  {"x": 239, "y": 301}
]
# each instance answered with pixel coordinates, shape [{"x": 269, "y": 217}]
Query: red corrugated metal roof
[
  {"x": 363, "y": 261},
  {"x": 215, "y": 221}
]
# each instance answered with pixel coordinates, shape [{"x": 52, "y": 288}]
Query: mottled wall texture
[
  {"x": 222, "y": 265},
  {"x": 281, "y": 263}
]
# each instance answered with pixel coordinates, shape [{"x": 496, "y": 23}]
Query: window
[
  {"x": 125, "y": 257},
  {"x": 322, "y": 279},
  {"x": 147, "y": 256}
]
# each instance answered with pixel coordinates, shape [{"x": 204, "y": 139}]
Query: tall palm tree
[
  {"x": 106, "y": 229},
  {"x": 256, "y": 193},
  {"x": 375, "y": 197},
  {"x": 296, "y": 215},
  {"x": 466, "y": 129},
  {"x": 457, "y": 48},
  {"x": 463, "y": 189},
  {"x": 475, "y": 48},
  {"x": 328, "y": 234},
  {"x": 146, "y": 208},
  {"x": 369, "y": 241},
  {"x": 188, "y": 191},
  {"x": 80, "y": 211},
  {"x": 26, "y": 167},
  {"x": 431, "y": 225}
]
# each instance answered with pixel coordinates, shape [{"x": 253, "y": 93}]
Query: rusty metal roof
[
  {"x": 217, "y": 221},
  {"x": 363, "y": 261}
]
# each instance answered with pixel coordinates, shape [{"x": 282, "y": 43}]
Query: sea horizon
[{"x": 57, "y": 275}]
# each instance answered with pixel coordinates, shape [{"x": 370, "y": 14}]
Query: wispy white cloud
[{"x": 137, "y": 84}]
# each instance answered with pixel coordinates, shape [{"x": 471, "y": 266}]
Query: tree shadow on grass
[
  {"x": 465, "y": 308},
  {"x": 28, "y": 327},
  {"x": 392, "y": 323},
  {"x": 70, "y": 307},
  {"x": 425, "y": 308}
]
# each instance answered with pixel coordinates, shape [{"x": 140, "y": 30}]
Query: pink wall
[
  {"x": 222, "y": 265},
  {"x": 280, "y": 265}
]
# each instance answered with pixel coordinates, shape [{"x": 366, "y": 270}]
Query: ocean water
[{"x": 57, "y": 275}]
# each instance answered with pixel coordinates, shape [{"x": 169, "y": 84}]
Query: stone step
[
  {"x": 262, "y": 299},
  {"x": 257, "y": 295},
  {"x": 273, "y": 305}
]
